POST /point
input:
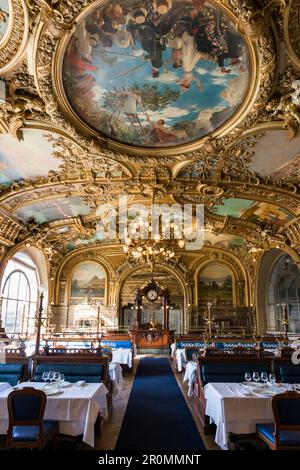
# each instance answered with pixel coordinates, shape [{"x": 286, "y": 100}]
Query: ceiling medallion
[{"x": 164, "y": 75}]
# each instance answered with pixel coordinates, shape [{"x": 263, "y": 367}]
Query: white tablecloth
[
  {"x": 190, "y": 376},
  {"x": 233, "y": 412},
  {"x": 180, "y": 358},
  {"x": 122, "y": 356},
  {"x": 173, "y": 349},
  {"x": 76, "y": 409},
  {"x": 4, "y": 386},
  {"x": 115, "y": 373}
]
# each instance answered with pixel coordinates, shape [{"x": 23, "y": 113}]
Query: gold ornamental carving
[{"x": 14, "y": 43}]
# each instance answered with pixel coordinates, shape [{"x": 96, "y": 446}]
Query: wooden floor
[{"x": 111, "y": 429}]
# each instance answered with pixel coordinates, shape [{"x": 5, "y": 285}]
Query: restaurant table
[
  {"x": 76, "y": 409},
  {"x": 122, "y": 356},
  {"x": 190, "y": 376},
  {"x": 233, "y": 411},
  {"x": 4, "y": 386},
  {"x": 115, "y": 373},
  {"x": 180, "y": 359}
]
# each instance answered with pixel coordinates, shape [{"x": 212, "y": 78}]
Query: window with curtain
[
  {"x": 284, "y": 287},
  {"x": 19, "y": 295}
]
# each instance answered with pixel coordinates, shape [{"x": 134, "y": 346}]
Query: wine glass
[
  {"x": 61, "y": 378},
  {"x": 256, "y": 376},
  {"x": 51, "y": 376},
  {"x": 272, "y": 378},
  {"x": 45, "y": 376},
  {"x": 248, "y": 376},
  {"x": 56, "y": 378},
  {"x": 264, "y": 377}
]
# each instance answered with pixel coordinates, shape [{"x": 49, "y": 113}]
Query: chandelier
[{"x": 157, "y": 245}]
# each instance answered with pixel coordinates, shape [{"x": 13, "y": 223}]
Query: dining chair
[
  {"x": 27, "y": 428},
  {"x": 284, "y": 432}
]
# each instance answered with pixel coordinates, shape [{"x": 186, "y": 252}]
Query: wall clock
[{"x": 152, "y": 295}]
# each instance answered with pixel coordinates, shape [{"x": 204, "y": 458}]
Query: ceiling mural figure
[{"x": 158, "y": 75}]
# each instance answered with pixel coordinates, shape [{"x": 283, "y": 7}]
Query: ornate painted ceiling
[{"x": 184, "y": 101}]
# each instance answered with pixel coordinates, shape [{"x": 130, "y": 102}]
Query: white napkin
[{"x": 80, "y": 383}]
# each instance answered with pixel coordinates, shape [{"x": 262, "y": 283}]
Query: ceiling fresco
[
  {"x": 253, "y": 211},
  {"x": 27, "y": 158},
  {"x": 158, "y": 74},
  {"x": 224, "y": 240},
  {"x": 233, "y": 207},
  {"x": 276, "y": 156},
  {"x": 4, "y": 17},
  {"x": 52, "y": 209}
]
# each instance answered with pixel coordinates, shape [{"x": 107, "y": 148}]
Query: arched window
[
  {"x": 284, "y": 288},
  {"x": 19, "y": 295}
]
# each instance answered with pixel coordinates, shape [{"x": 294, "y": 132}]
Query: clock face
[{"x": 152, "y": 295}]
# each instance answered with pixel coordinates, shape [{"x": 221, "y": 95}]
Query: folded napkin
[{"x": 80, "y": 383}]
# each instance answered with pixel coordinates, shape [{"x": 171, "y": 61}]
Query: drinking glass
[
  {"x": 51, "y": 376},
  {"x": 56, "y": 378},
  {"x": 272, "y": 378},
  {"x": 45, "y": 376},
  {"x": 264, "y": 377},
  {"x": 256, "y": 376},
  {"x": 248, "y": 377},
  {"x": 61, "y": 378}
]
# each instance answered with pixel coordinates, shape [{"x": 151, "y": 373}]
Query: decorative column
[{"x": 39, "y": 319}]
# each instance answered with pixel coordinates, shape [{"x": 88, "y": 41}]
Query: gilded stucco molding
[
  {"x": 292, "y": 31},
  {"x": 13, "y": 44}
]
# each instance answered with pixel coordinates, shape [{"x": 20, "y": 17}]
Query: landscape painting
[
  {"x": 156, "y": 73},
  {"x": 4, "y": 17},
  {"x": 52, "y": 209},
  {"x": 28, "y": 158},
  {"x": 215, "y": 283},
  {"x": 283, "y": 161},
  {"x": 88, "y": 281}
]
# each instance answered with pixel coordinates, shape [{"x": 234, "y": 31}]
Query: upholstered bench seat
[
  {"x": 230, "y": 372},
  {"x": 289, "y": 372},
  {"x": 117, "y": 344},
  {"x": 31, "y": 433},
  {"x": 287, "y": 438},
  {"x": 92, "y": 373},
  {"x": 11, "y": 373}
]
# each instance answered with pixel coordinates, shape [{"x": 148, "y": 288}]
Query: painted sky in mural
[
  {"x": 4, "y": 17},
  {"x": 88, "y": 280},
  {"x": 283, "y": 156},
  {"x": 28, "y": 158},
  {"x": 52, "y": 209},
  {"x": 254, "y": 211},
  {"x": 156, "y": 74}
]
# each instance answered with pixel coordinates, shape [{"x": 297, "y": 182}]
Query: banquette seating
[
  {"x": 287, "y": 372},
  {"x": 88, "y": 367},
  {"x": 14, "y": 366},
  {"x": 191, "y": 345},
  {"x": 227, "y": 368}
]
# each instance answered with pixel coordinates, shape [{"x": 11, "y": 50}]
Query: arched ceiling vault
[{"x": 61, "y": 156}]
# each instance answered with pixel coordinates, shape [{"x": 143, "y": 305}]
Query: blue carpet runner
[{"x": 157, "y": 416}]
